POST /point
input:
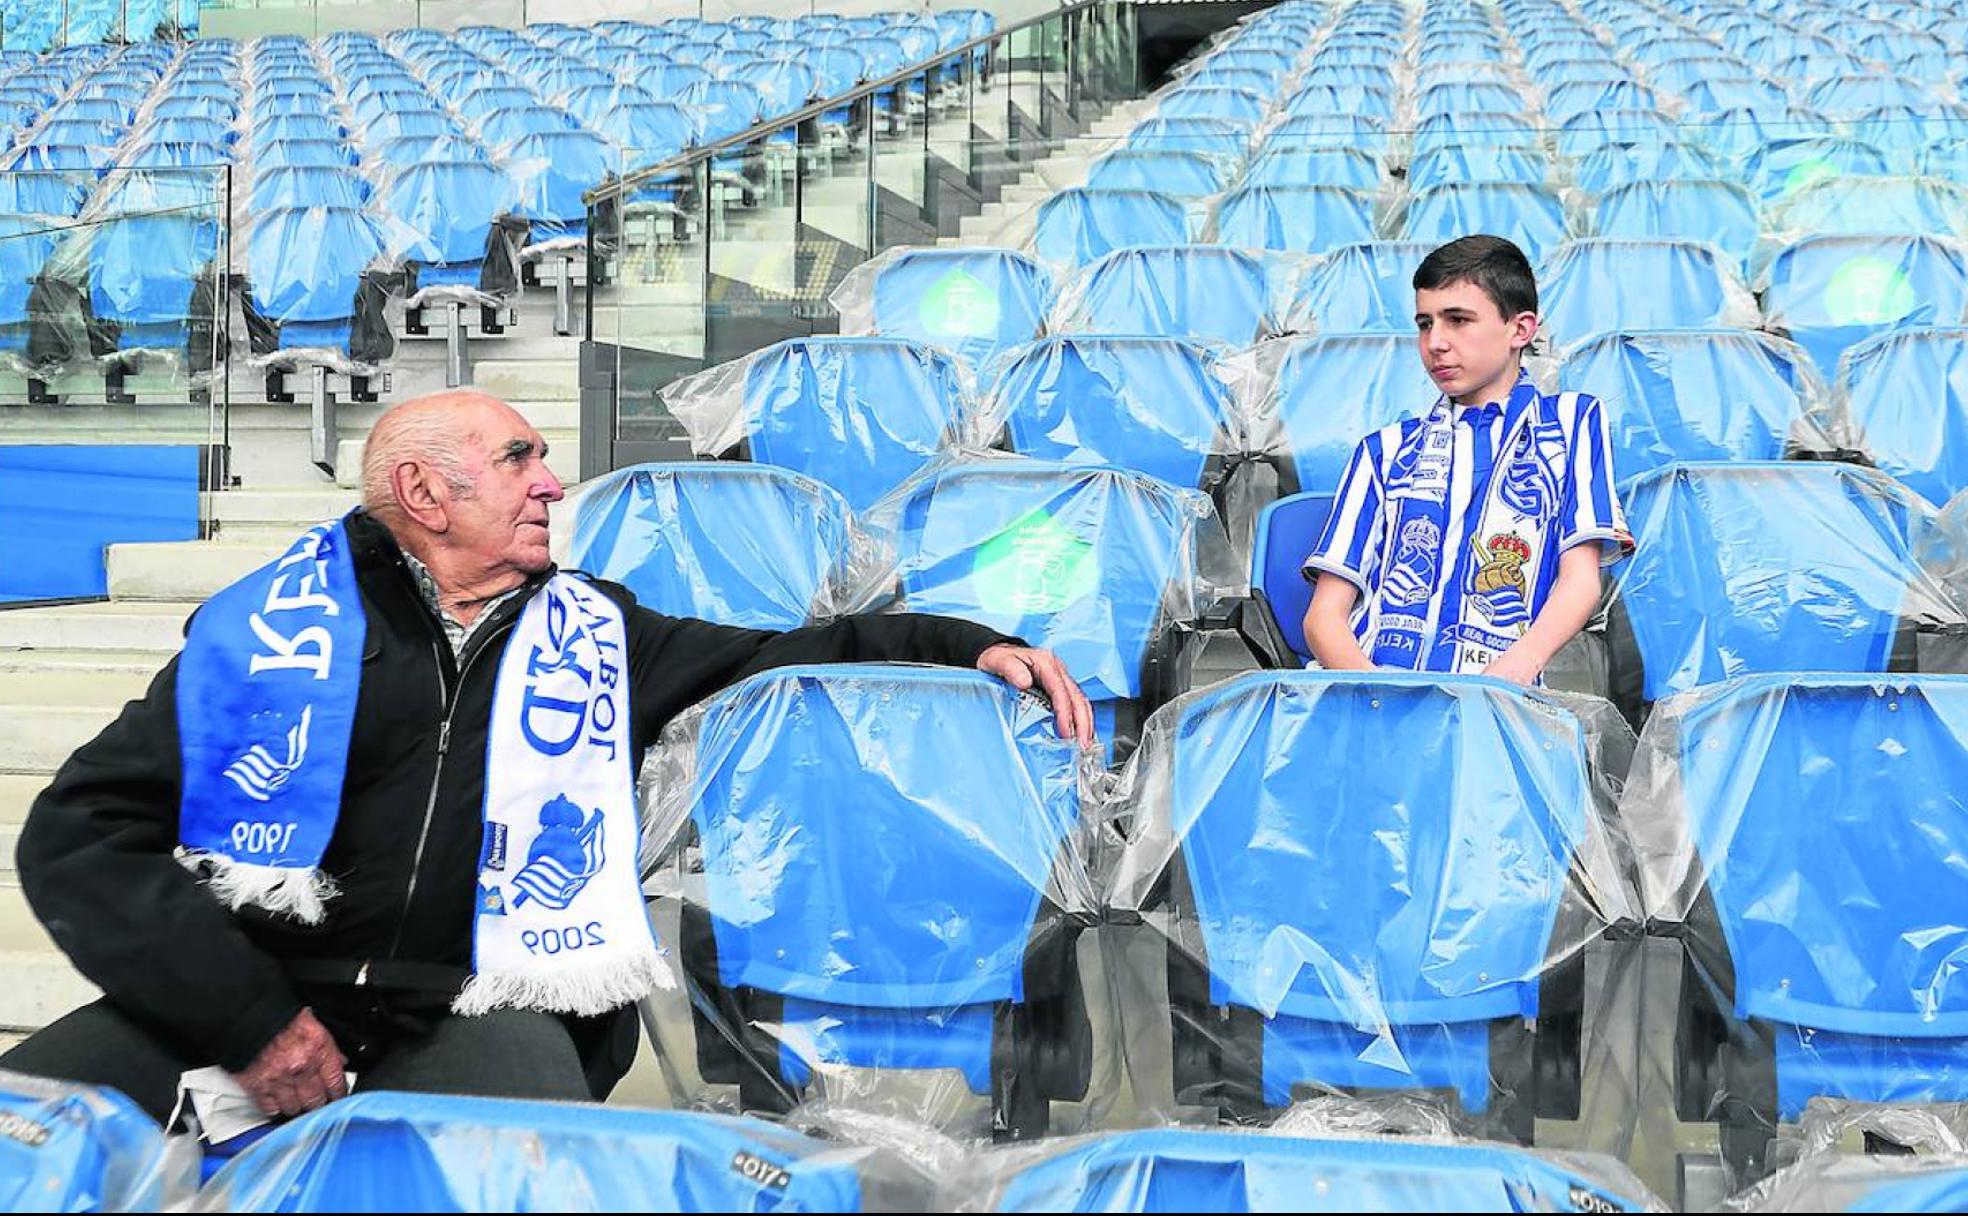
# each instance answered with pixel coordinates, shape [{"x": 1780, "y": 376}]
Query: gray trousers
[{"x": 506, "y": 1054}]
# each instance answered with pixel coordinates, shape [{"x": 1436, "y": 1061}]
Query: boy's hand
[{"x": 1513, "y": 665}]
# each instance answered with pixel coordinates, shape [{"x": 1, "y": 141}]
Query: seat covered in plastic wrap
[
  {"x": 151, "y": 278},
  {"x": 1783, "y": 167},
  {"x": 1283, "y": 165},
  {"x": 1790, "y": 566},
  {"x": 1478, "y": 163},
  {"x": 1359, "y": 288},
  {"x": 555, "y": 170},
  {"x": 306, "y": 267},
  {"x": 1080, "y": 226},
  {"x": 1173, "y": 172},
  {"x": 402, "y": 1152},
  {"x": 1531, "y": 216},
  {"x": 1329, "y": 391},
  {"x": 1589, "y": 287},
  {"x": 1293, "y": 219},
  {"x": 1720, "y": 213},
  {"x": 455, "y": 209},
  {"x": 1174, "y": 1169},
  {"x": 974, "y": 302},
  {"x": 1869, "y": 206},
  {"x": 1201, "y": 292},
  {"x": 1155, "y": 405},
  {"x": 1829, "y": 293},
  {"x": 1906, "y": 397},
  {"x": 78, "y": 1148},
  {"x": 1338, "y": 927},
  {"x": 722, "y": 541},
  {"x": 903, "y": 911}
]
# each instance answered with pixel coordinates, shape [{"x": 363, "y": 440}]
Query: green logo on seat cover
[
  {"x": 1804, "y": 172},
  {"x": 1035, "y": 565},
  {"x": 1868, "y": 291},
  {"x": 959, "y": 305}
]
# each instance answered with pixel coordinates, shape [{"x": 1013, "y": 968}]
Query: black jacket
[{"x": 96, "y": 860}]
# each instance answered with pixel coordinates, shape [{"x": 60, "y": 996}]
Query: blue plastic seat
[
  {"x": 508, "y": 127},
  {"x": 1179, "y": 174},
  {"x": 1174, "y": 1169},
  {"x": 455, "y": 208},
  {"x": 1464, "y": 96},
  {"x": 1856, "y": 94},
  {"x": 1719, "y": 212},
  {"x": 1392, "y": 927},
  {"x": 49, "y": 192},
  {"x": 80, "y": 1149},
  {"x": 555, "y": 170},
  {"x": 152, "y": 283},
  {"x": 1782, "y": 168},
  {"x": 1906, "y": 396},
  {"x": 1483, "y": 127},
  {"x": 1288, "y": 166},
  {"x": 1828, "y": 293},
  {"x": 309, "y": 125},
  {"x": 1585, "y": 288},
  {"x": 723, "y": 108},
  {"x": 1202, "y": 101},
  {"x": 1694, "y": 395},
  {"x": 1465, "y": 163},
  {"x": 1568, "y": 101},
  {"x": 306, "y": 271},
  {"x": 1721, "y": 95},
  {"x": 1331, "y": 390},
  {"x": 26, "y": 244},
  {"x": 389, "y": 1152},
  {"x": 1360, "y": 288},
  {"x": 737, "y": 544},
  {"x": 1294, "y": 219},
  {"x": 1201, "y": 292},
  {"x": 976, "y": 303},
  {"x": 1209, "y": 136},
  {"x": 1153, "y": 405},
  {"x": 308, "y": 186},
  {"x": 409, "y": 149},
  {"x": 483, "y": 102},
  {"x": 1371, "y": 100},
  {"x": 1584, "y": 133},
  {"x": 1354, "y": 131},
  {"x": 1288, "y": 529},
  {"x": 918, "y": 914},
  {"x": 1531, "y": 216},
  {"x": 1080, "y": 226},
  {"x": 1916, "y": 206},
  {"x": 1749, "y": 568},
  {"x": 1826, "y": 822}
]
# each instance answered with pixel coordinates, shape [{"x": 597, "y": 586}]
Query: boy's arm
[
  {"x": 1328, "y": 627},
  {"x": 1574, "y": 598},
  {"x": 1340, "y": 560}
]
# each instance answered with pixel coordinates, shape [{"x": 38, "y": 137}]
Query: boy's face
[{"x": 1471, "y": 350}]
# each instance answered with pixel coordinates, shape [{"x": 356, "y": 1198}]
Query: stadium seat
[
  {"x": 1293, "y": 219},
  {"x": 1720, "y": 213},
  {"x": 861, "y": 415},
  {"x": 1282, "y": 165},
  {"x": 1681, "y": 395},
  {"x": 1287, "y": 531},
  {"x": 1358, "y": 289},
  {"x": 404, "y": 1152},
  {"x": 1175, "y": 1169},
  {"x": 308, "y": 186},
  {"x": 1327, "y": 392},
  {"x": 976, "y": 303},
  {"x": 1748, "y": 568},
  {"x": 1781, "y": 168},
  {"x": 1155, "y": 405},
  {"x": 1905, "y": 395},
  {"x": 1586, "y": 288},
  {"x": 314, "y": 297},
  {"x": 1110, "y": 568},
  {"x": 80, "y": 1148},
  {"x": 917, "y": 914},
  {"x": 1202, "y": 101},
  {"x": 1810, "y": 836},
  {"x": 1584, "y": 133},
  {"x": 1180, "y": 174},
  {"x": 1828, "y": 293},
  {"x": 1200, "y": 292},
  {"x": 302, "y": 152},
  {"x": 1531, "y": 216},
  {"x": 1079, "y": 226},
  {"x": 150, "y": 288},
  {"x": 1332, "y": 927},
  {"x": 1841, "y": 1182},
  {"x": 1477, "y": 163},
  {"x": 1494, "y": 128}
]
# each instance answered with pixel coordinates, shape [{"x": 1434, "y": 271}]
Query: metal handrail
[{"x": 670, "y": 168}]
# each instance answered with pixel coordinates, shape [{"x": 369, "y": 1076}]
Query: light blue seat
[
  {"x": 308, "y": 186},
  {"x": 1694, "y": 395},
  {"x": 1567, "y": 101},
  {"x": 1825, "y": 819},
  {"x": 1366, "y": 287},
  {"x": 409, "y": 149},
  {"x": 1202, "y": 101},
  {"x": 1156, "y": 405},
  {"x": 80, "y": 1148},
  {"x": 50, "y": 192},
  {"x": 911, "y": 917},
  {"x": 1496, "y": 128},
  {"x": 1464, "y": 96},
  {"x": 1531, "y": 216},
  {"x": 1371, "y": 100},
  {"x": 1828, "y": 293},
  {"x": 1282, "y": 165},
  {"x": 1330, "y": 391},
  {"x": 306, "y": 269},
  {"x": 152, "y": 282},
  {"x": 1203, "y": 292},
  {"x": 1836, "y": 206},
  {"x": 1175, "y": 1169},
  {"x": 1782, "y": 168},
  {"x": 555, "y": 170},
  {"x": 1855, "y": 94},
  {"x": 723, "y": 541},
  {"x": 1796, "y": 566},
  {"x": 1586, "y": 288},
  {"x": 310, "y": 124},
  {"x": 1906, "y": 396},
  {"x": 976, "y": 303},
  {"x": 723, "y": 107},
  {"x": 1584, "y": 133},
  {"x": 1611, "y": 166},
  {"x": 1288, "y": 530},
  {"x": 483, "y": 102},
  {"x": 400, "y": 124},
  {"x": 1720, "y": 213},
  {"x": 508, "y": 127},
  {"x": 1342, "y": 927},
  {"x": 1079, "y": 226},
  {"x": 388, "y": 1152},
  {"x": 455, "y": 209},
  {"x": 1175, "y": 173},
  {"x": 1471, "y": 163},
  {"x": 1294, "y": 219},
  {"x": 1353, "y": 131}
]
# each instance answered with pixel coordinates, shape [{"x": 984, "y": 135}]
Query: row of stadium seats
[
  {"x": 32, "y": 26},
  {"x": 398, "y": 1152}
]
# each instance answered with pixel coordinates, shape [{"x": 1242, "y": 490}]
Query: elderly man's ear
[{"x": 422, "y": 496}]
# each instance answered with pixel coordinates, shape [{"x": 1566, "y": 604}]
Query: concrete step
[
  {"x": 151, "y": 628},
  {"x": 353, "y": 421},
  {"x": 299, "y": 507},
  {"x": 71, "y": 688},
  {"x": 532, "y": 380},
  {"x": 38, "y": 738},
  {"x": 20, "y": 932},
  {"x": 17, "y": 794},
  {"x": 55, "y": 665},
  {"x": 41, "y": 985},
  {"x": 184, "y": 570}
]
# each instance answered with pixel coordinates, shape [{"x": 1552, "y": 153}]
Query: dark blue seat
[
  {"x": 78, "y": 1148},
  {"x": 1905, "y": 395},
  {"x": 1360, "y": 288},
  {"x": 392, "y": 1152},
  {"x": 1173, "y": 1169},
  {"x": 917, "y": 914},
  {"x": 1749, "y": 568},
  {"x": 1294, "y": 219},
  {"x": 1696, "y": 395},
  {"x": 1329, "y": 391},
  {"x": 1154, "y": 405},
  {"x": 1339, "y": 927},
  {"x": 976, "y": 303},
  {"x": 1200, "y": 292},
  {"x": 1080, "y": 226},
  {"x": 1532, "y": 216},
  {"x": 1829, "y": 293},
  {"x": 1287, "y": 531},
  {"x": 1820, "y": 945},
  {"x": 723, "y": 541},
  {"x": 308, "y": 286},
  {"x": 1585, "y": 288}
]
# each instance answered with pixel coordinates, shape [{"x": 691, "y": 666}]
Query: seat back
[
  {"x": 306, "y": 264},
  {"x": 145, "y": 270},
  {"x": 1287, "y": 531},
  {"x": 1293, "y": 219},
  {"x": 1283, "y": 165},
  {"x": 1586, "y": 289},
  {"x": 1332, "y": 390},
  {"x": 451, "y": 206},
  {"x": 1531, "y": 216},
  {"x": 1172, "y": 172},
  {"x": 1718, "y": 212},
  {"x": 1360, "y": 288},
  {"x": 1828, "y": 293},
  {"x": 1906, "y": 396},
  {"x": 976, "y": 303},
  {"x": 1835, "y": 206},
  {"x": 78, "y": 1148},
  {"x": 1185, "y": 291},
  {"x": 1080, "y": 226}
]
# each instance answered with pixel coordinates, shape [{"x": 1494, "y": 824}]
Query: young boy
[{"x": 1469, "y": 539}]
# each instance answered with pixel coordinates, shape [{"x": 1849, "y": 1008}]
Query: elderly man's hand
[
  {"x": 300, "y": 1069},
  {"x": 1024, "y": 667}
]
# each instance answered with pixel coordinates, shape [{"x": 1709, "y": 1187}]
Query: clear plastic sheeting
[
  {"x": 317, "y": 285},
  {"x": 1799, "y": 841},
  {"x": 1829, "y": 293},
  {"x": 1842, "y": 1183},
  {"x": 400, "y": 1152},
  {"x": 1197, "y": 292},
  {"x": 1310, "y": 400},
  {"x": 1588, "y": 288},
  {"x": 1077, "y": 227},
  {"x": 83, "y": 1148},
  {"x": 1293, "y": 219},
  {"x": 861, "y": 415},
  {"x": 1531, "y": 216},
  {"x": 1674, "y": 395},
  {"x": 862, "y": 921},
  {"x": 1109, "y": 568},
  {"x": 1361, "y": 288},
  {"x": 976, "y": 303},
  {"x": 1452, "y": 924},
  {"x": 1179, "y": 1169},
  {"x": 1795, "y": 566},
  {"x": 461, "y": 236},
  {"x": 1838, "y": 205},
  {"x": 737, "y": 544},
  {"x": 1906, "y": 396}
]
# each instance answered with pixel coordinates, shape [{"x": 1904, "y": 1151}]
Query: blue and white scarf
[{"x": 267, "y": 690}]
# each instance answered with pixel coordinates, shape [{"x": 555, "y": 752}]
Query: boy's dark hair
[{"x": 1495, "y": 265}]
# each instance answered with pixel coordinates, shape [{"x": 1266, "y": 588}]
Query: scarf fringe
[
  {"x": 584, "y": 991},
  {"x": 299, "y": 894}
]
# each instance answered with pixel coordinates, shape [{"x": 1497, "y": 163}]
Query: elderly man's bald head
[{"x": 440, "y": 432}]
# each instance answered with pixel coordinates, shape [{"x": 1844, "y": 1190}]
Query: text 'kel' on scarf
[
  {"x": 267, "y": 689},
  {"x": 1483, "y": 551}
]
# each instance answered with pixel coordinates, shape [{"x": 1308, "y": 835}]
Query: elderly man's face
[{"x": 505, "y": 519}]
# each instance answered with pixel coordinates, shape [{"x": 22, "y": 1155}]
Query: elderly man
[{"x": 386, "y": 772}]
